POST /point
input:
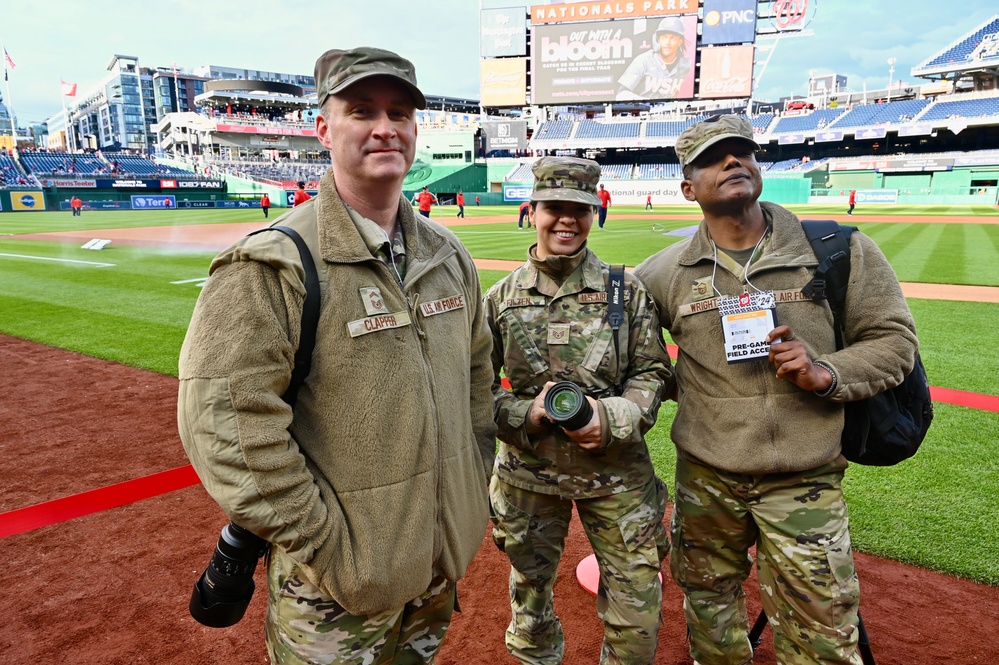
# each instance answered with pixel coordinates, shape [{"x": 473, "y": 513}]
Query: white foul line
[{"x": 49, "y": 258}]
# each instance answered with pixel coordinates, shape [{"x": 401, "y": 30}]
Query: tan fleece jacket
[
  {"x": 741, "y": 417},
  {"x": 378, "y": 482}
]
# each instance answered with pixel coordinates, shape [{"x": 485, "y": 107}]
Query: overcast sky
[{"x": 73, "y": 40}]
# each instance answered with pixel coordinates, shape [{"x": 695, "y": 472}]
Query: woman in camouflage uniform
[{"x": 549, "y": 323}]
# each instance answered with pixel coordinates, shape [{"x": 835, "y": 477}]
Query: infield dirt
[{"x": 112, "y": 588}]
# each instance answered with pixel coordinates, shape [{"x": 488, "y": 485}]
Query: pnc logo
[
  {"x": 712, "y": 17},
  {"x": 729, "y": 17}
]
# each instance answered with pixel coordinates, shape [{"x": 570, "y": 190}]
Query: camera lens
[
  {"x": 222, "y": 593},
  {"x": 567, "y": 406}
]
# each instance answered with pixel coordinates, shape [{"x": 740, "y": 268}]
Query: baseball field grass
[{"x": 132, "y": 305}]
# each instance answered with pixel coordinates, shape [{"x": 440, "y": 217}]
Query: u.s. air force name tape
[
  {"x": 443, "y": 305},
  {"x": 372, "y": 324},
  {"x": 787, "y": 295}
]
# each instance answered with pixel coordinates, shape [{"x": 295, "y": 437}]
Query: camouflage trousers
[
  {"x": 306, "y": 627},
  {"x": 629, "y": 539},
  {"x": 808, "y": 585}
]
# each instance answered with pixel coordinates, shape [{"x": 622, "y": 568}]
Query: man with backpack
[
  {"x": 762, "y": 386},
  {"x": 371, "y": 491}
]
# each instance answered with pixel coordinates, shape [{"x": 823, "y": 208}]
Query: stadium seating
[
  {"x": 659, "y": 171},
  {"x": 667, "y": 128},
  {"x": 964, "y": 108},
  {"x": 522, "y": 173},
  {"x": 591, "y": 129},
  {"x": 11, "y": 177},
  {"x": 871, "y": 115},
  {"x": 616, "y": 171},
  {"x": 52, "y": 163},
  {"x": 139, "y": 166},
  {"x": 811, "y": 122},
  {"x": 554, "y": 130},
  {"x": 285, "y": 174},
  {"x": 963, "y": 50}
]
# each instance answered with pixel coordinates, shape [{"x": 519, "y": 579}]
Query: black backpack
[{"x": 889, "y": 427}]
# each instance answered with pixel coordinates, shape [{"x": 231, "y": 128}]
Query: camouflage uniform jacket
[
  {"x": 741, "y": 418},
  {"x": 376, "y": 483},
  {"x": 529, "y": 314}
]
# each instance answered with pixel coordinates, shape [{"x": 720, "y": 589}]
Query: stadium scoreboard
[{"x": 605, "y": 52}]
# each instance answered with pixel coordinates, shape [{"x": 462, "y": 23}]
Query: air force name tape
[
  {"x": 443, "y": 305},
  {"x": 787, "y": 295}
]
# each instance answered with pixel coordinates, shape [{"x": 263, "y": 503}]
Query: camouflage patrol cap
[
  {"x": 697, "y": 138},
  {"x": 337, "y": 70},
  {"x": 566, "y": 179}
]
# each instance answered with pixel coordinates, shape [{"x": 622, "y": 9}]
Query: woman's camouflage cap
[
  {"x": 566, "y": 179},
  {"x": 699, "y": 137},
  {"x": 337, "y": 70}
]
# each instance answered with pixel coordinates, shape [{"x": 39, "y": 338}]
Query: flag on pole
[
  {"x": 8, "y": 59},
  {"x": 68, "y": 89}
]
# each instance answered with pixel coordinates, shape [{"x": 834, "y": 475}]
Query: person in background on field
[
  {"x": 605, "y": 201},
  {"x": 460, "y": 200},
  {"x": 265, "y": 204},
  {"x": 76, "y": 205},
  {"x": 550, "y": 322},
  {"x": 424, "y": 200},
  {"x": 301, "y": 196},
  {"x": 477, "y": 200},
  {"x": 768, "y": 472},
  {"x": 648, "y": 202},
  {"x": 852, "y": 201},
  {"x": 525, "y": 215},
  {"x": 372, "y": 492}
]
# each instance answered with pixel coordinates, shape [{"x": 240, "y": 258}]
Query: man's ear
[
  {"x": 323, "y": 132},
  {"x": 687, "y": 190}
]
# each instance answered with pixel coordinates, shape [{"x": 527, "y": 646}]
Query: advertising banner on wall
[
  {"x": 27, "y": 201},
  {"x": 68, "y": 182},
  {"x": 153, "y": 202},
  {"x": 726, "y": 71},
  {"x": 592, "y": 11},
  {"x": 877, "y": 196},
  {"x": 99, "y": 205},
  {"x": 263, "y": 129},
  {"x": 503, "y": 32},
  {"x": 503, "y": 82},
  {"x": 728, "y": 22},
  {"x": 604, "y": 61},
  {"x": 507, "y": 135}
]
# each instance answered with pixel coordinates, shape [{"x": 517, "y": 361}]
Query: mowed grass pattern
[{"x": 937, "y": 510}]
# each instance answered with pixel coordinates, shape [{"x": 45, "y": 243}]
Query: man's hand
[
  {"x": 793, "y": 362},
  {"x": 588, "y": 436}
]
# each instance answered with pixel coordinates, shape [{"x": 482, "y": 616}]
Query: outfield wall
[{"x": 667, "y": 192}]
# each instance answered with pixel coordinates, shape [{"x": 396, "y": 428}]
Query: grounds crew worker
[
  {"x": 758, "y": 442},
  {"x": 549, "y": 320},
  {"x": 373, "y": 493}
]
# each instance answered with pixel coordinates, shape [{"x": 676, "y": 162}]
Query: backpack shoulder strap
[
  {"x": 310, "y": 315},
  {"x": 831, "y": 244}
]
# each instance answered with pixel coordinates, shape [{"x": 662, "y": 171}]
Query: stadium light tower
[{"x": 891, "y": 71}]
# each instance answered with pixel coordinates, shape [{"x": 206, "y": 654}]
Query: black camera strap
[
  {"x": 310, "y": 315},
  {"x": 615, "y": 308}
]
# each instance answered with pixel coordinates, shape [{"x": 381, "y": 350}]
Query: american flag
[{"x": 8, "y": 59}]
